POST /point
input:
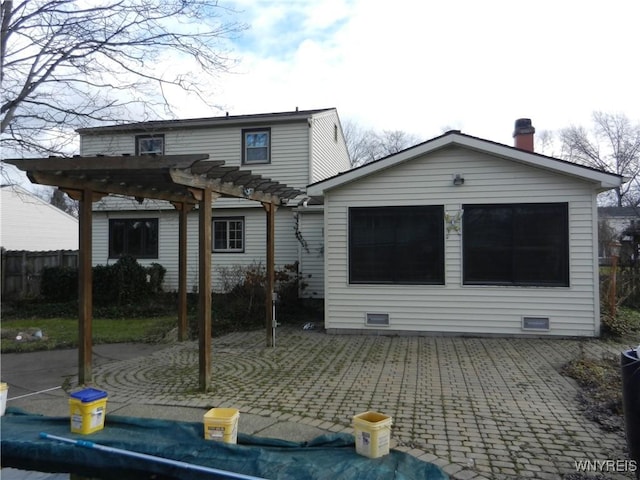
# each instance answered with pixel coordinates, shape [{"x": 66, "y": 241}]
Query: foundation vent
[
  {"x": 535, "y": 323},
  {"x": 377, "y": 319}
]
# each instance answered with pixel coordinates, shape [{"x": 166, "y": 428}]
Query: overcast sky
[{"x": 428, "y": 66}]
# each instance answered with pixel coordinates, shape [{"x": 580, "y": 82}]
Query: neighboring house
[
  {"x": 29, "y": 223},
  {"x": 292, "y": 148},
  {"x": 463, "y": 235},
  {"x": 622, "y": 224}
]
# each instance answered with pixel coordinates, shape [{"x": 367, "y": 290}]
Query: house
[
  {"x": 462, "y": 235},
  {"x": 293, "y": 148},
  {"x": 29, "y": 223}
]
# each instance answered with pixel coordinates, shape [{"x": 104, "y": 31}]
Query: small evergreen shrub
[
  {"x": 124, "y": 283},
  {"x": 59, "y": 284}
]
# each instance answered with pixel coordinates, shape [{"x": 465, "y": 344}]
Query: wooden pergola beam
[
  {"x": 130, "y": 188},
  {"x": 183, "y": 177},
  {"x": 107, "y": 163}
]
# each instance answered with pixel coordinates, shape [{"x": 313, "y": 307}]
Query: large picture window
[
  {"x": 402, "y": 245},
  {"x": 137, "y": 237},
  {"x": 256, "y": 146},
  {"x": 228, "y": 234},
  {"x": 516, "y": 244}
]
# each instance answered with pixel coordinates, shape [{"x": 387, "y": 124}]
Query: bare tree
[
  {"x": 613, "y": 145},
  {"x": 367, "y": 145},
  {"x": 361, "y": 143},
  {"x": 67, "y": 64},
  {"x": 545, "y": 141},
  {"x": 62, "y": 201}
]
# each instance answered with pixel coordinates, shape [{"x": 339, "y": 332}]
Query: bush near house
[
  {"x": 241, "y": 304},
  {"x": 122, "y": 283},
  {"x": 627, "y": 298}
]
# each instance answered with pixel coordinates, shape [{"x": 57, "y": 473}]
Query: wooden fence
[{"x": 22, "y": 270}]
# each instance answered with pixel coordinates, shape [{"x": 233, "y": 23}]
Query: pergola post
[
  {"x": 270, "y": 210},
  {"x": 85, "y": 289},
  {"x": 183, "y": 326},
  {"x": 204, "y": 289}
]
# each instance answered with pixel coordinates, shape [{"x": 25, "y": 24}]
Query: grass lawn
[{"x": 60, "y": 333}]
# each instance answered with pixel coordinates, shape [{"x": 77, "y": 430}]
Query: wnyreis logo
[{"x": 606, "y": 466}]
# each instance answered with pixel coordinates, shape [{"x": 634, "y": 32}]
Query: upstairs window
[
  {"x": 137, "y": 237},
  {"x": 150, "y": 145},
  {"x": 398, "y": 245},
  {"x": 256, "y": 146},
  {"x": 516, "y": 244},
  {"x": 228, "y": 235}
]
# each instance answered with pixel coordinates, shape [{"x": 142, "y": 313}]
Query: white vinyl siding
[
  {"x": 30, "y": 223},
  {"x": 289, "y": 148},
  {"x": 330, "y": 155},
  {"x": 454, "y": 307},
  {"x": 286, "y": 250},
  {"x": 311, "y": 229},
  {"x": 302, "y": 149}
]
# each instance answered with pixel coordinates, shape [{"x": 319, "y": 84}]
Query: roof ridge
[{"x": 204, "y": 121}]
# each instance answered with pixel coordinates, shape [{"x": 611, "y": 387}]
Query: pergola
[{"x": 183, "y": 180}]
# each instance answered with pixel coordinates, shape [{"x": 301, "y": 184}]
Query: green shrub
[
  {"x": 123, "y": 283},
  {"x": 617, "y": 326},
  {"x": 104, "y": 285},
  {"x": 625, "y": 325},
  {"x": 130, "y": 281},
  {"x": 155, "y": 275},
  {"x": 59, "y": 284}
]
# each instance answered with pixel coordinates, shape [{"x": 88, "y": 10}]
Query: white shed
[
  {"x": 463, "y": 235},
  {"x": 29, "y": 223}
]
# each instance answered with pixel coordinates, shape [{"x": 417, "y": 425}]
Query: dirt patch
[{"x": 601, "y": 395}]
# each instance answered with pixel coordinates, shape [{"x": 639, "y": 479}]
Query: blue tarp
[{"x": 326, "y": 457}]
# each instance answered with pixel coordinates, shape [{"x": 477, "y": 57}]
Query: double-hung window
[
  {"x": 256, "y": 146},
  {"x": 516, "y": 244},
  {"x": 150, "y": 145},
  {"x": 228, "y": 234},
  {"x": 397, "y": 245},
  {"x": 137, "y": 237}
]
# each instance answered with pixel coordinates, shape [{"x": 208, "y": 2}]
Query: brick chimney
[{"x": 523, "y": 134}]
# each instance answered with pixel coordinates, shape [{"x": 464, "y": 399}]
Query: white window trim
[
  {"x": 245, "y": 148},
  {"x": 148, "y": 137},
  {"x": 227, "y": 220}
]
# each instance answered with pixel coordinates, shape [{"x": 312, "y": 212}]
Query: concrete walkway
[{"x": 494, "y": 408}]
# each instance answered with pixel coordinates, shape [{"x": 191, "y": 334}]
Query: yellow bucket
[
  {"x": 4, "y": 391},
  {"x": 221, "y": 425},
  {"x": 373, "y": 434},
  {"x": 88, "y": 409}
]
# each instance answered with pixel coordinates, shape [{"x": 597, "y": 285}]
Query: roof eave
[
  {"x": 209, "y": 122},
  {"x": 603, "y": 180}
]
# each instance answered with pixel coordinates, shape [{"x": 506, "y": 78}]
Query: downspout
[{"x": 298, "y": 221}]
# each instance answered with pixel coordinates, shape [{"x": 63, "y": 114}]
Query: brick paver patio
[{"x": 478, "y": 407}]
